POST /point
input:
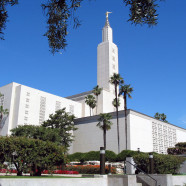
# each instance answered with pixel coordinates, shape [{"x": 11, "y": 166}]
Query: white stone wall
[
  {"x": 89, "y": 137},
  {"x": 140, "y": 134},
  {"x": 140, "y": 131},
  {"x": 31, "y": 106},
  {"x": 9, "y": 94}
]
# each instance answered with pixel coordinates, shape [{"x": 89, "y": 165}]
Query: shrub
[
  {"x": 89, "y": 169},
  {"x": 163, "y": 164},
  {"x": 125, "y": 153},
  {"x": 176, "y": 150},
  {"x": 78, "y": 156},
  {"x": 180, "y": 148},
  {"x": 181, "y": 144},
  {"x": 92, "y": 156},
  {"x": 110, "y": 156}
]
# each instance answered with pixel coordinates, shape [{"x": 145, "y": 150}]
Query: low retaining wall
[
  {"x": 53, "y": 182},
  {"x": 179, "y": 180},
  {"x": 111, "y": 180}
]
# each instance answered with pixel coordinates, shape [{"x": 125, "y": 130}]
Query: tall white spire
[
  {"x": 107, "y": 58},
  {"x": 107, "y": 30}
]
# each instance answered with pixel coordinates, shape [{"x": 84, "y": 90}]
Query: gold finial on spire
[
  {"x": 107, "y": 13},
  {"x": 107, "y": 21}
]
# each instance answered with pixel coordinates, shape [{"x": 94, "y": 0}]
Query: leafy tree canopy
[
  {"x": 30, "y": 154},
  {"x": 37, "y": 132},
  {"x": 64, "y": 122},
  {"x": 60, "y": 14}
]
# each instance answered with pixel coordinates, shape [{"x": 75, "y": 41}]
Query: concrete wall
[
  {"x": 140, "y": 134},
  {"x": 89, "y": 137},
  {"x": 54, "y": 181},
  {"x": 179, "y": 180},
  {"x": 24, "y": 105},
  {"x": 113, "y": 180}
]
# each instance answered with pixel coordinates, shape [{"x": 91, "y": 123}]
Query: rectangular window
[
  {"x": 26, "y": 106},
  {"x": 28, "y": 93},
  {"x": 27, "y": 100},
  {"x": 26, "y": 111}
]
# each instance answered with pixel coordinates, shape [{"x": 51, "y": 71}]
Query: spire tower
[{"x": 107, "y": 64}]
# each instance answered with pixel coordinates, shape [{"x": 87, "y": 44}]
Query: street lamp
[
  {"x": 138, "y": 150},
  {"x": 151, "y": 163},
  {"x": 102, "y": 160}
]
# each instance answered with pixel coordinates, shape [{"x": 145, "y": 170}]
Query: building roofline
[
  {"x": 120, "y": 113},
  {"x": 78, "y": 95},
  {"x": 155, "y": 118}
]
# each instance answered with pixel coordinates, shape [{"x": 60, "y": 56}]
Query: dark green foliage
[
  {"x": 142, "y": 11},
  {"x": 97, "y": 91},
  {"x": 37, "y": 132},
  {"x": 91, "y": 102},
  {"x": 104, "y": 124},
  {"x": 110, "y": 156},
  {"x": 163, "y": 164},
  {"x": 4, "y": 14},
  {"x": 161, "y": 117},
  {"x": 59, "y": 13},
  {"x": 181, "y": 144},
  {"x": 180, "y": 148},
  {"x": 91, "y": 156},
  {"x": 126, "y": 153},
  {"x": 64, "y": 122},
  {"x": 30, "y": 154},
  {"x": 114, "y": 102},
  {"x": 176, "y": 150},
  {"x": 78, "y": 156}
]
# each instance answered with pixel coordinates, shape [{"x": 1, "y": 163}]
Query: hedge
[
  {"x": 163, "y": 164},
  {"x": 126, "y": 153},
  {"x": 92, "y": 156}
]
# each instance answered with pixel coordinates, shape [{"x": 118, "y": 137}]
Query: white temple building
[{"x": 31, "y": 106}]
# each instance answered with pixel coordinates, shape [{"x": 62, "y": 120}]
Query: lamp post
[
  {"x": 138, "y": 150},
  {"x": 151, "y": 163},
  {"x": 102, "y": 160}
]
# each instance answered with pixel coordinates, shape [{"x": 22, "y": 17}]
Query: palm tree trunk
[
  {"x": 97, "y": 105},
  {"x": 125, "y": 107},
  {"x": 116, "y": 94},
  {"x": 104, "y": 136}
]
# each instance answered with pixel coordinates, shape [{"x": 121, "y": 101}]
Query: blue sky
[{"x": 152, "y": 60}]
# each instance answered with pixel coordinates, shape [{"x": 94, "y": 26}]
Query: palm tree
[
  {"x": 126, "y": 90},
  {"x": 161, "y": 117},
  {"x": 97, "y": 91},
  {"x": 114, "y": 102},
  {"x": 104, "y": 124},
  {"x": 157, "y": 115},
  {"x": 91, "y": 102},
  {"x": 116, "y": 80}
]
